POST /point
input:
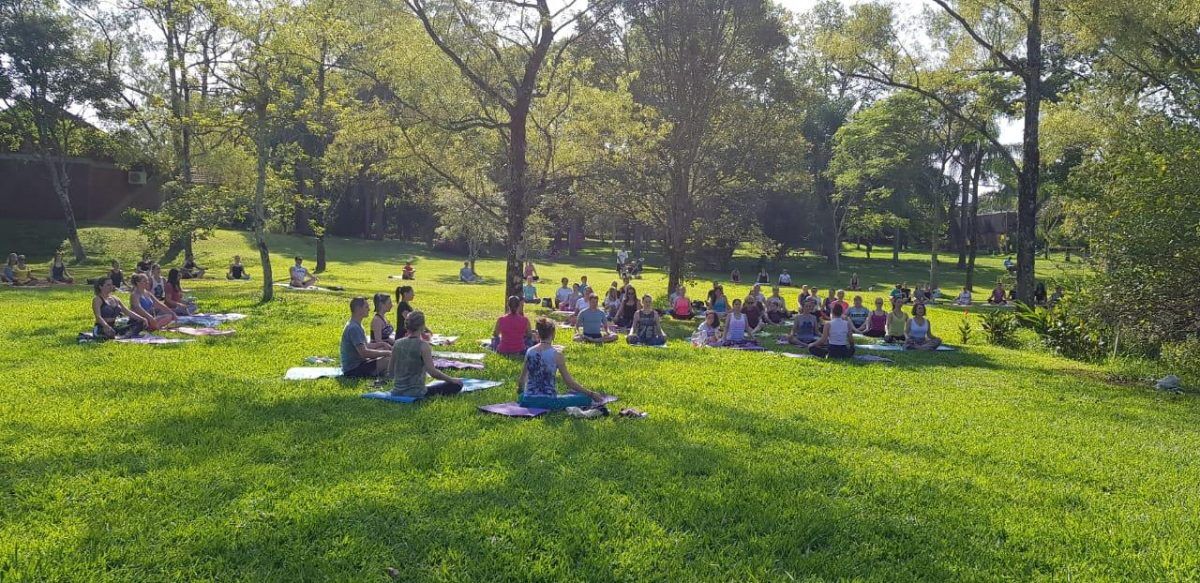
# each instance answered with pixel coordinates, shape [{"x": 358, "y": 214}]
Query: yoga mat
[
  {"x": 439, "y": 340},
  {"x": 562, "y": 313},
  {"x": 459, "y": 355},
  {"x": 858, "y": 357},
  {"x": 320, "y": 360},
  {"x": 311, "y": 288},
  {"x": 152, "y": 339},
  {"x": 749, "y": 348},
  {"x": 486, "y": 344},
  {"x": 445, "y": 363},
  {"x": 202, "y": 331},
  {"x": 387, "y": 396},
  {"x": 512, "y": 409},
  {"x": 897, "y": 347},
  {"x": 308, "y": 373}
]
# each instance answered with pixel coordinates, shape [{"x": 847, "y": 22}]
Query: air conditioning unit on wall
[{"x": 137, "y": 177}]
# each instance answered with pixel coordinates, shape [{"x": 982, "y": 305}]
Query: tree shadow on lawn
[{"x": 482, "y": 497}]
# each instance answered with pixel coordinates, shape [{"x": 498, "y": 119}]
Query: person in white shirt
[
  {"x": 785, "y": 278},
  {"x": 466, "y": 274},
  {"x": 563, "y": 295},
  {"x": 300, "y": 277}
]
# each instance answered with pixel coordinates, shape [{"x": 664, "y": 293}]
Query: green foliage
[
  {"x": 1182, "y": 359},
  {"x": 1064, "y": 332},
  {"x": 965, "y": 329},
  {"x": 1000, "y": 327}
]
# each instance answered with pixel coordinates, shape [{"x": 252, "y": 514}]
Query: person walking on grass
[
  {"x": 537, "y": 385},
  {"x": 412, "y": 359},
  {"x": 361, "y": 358}
]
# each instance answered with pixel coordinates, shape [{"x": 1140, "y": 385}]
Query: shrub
[
  {"x": 1064, "y": 333},
  {"x": 1000, "y": 327},
  {"x": 1182, "y": 359},
  {"x": 965, "y": 329}
]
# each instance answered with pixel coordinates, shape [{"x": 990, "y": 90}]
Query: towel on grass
[
  {"x": 446, "y": 363},
  {"x": 469, "y": 386},
  {"x": 311, "y": 288},
  {"x": 897, "y": 347},
  {"x": 308, "y": 373},
  {"x": 459, "y": 355},
  {"x": 85, "y": 337},
  {"x": 512, "y": 409},
  {"x": 203, "y": 319},
  {"x": 858, "y": 357},
  {"x": 486, "y": 343},
  {"x": 439, "y": 340},
  {"x": 201, "y": 331}
]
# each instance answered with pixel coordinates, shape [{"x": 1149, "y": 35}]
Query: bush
[
  {"x": 965, "y": 329},
  {"x": 1000, "y": 327},
  {"x": 1066, "y": 334},
  {"x": 1182, "y": 359}
]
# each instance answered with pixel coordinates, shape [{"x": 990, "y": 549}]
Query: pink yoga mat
[
  {"x": 202, "y": 331},
  {"x": 512, "y": 409}
]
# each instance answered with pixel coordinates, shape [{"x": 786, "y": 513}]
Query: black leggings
[
  {"x": 832, "y": 351},
  {"x": 443, "y": 388}
]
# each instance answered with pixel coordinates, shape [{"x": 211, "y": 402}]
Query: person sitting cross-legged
[
  {"x": 173, "y": 295},
  {"x": 709, "y": 331},
  {"x": 512, "y": 334},
  {"x": 408, "y": 272},
  {"x": 467, "y": 274},
  {"x": 736, "y": 328},
  {"x": 237, "y": 270},
  {"x": 785, "y": 278},
  {"x": 562, "y": 296},
  {"x": 58, "y": 270},
  {"x": 837, "y": 338},
  {"x": 876, "y": 325},
  {"x": 361, "y": 358},
  {"x": 592, "y": 324},
  {"x": 897, "y": 322},
  {"x": 142, "y": 301},
  {"x": 647, "y": 325},
  {"x": 529, "y": 292},
  {"x": 806, "y": 327},
  {"x": 998, "y": 297},
  {"x": 411, "y": 359},
  {"x": 964, "y": 298},
  {"x": 537, "y": 383},
  {"x": 858, "y": 314},
  {"x": 777, "y": 310},
  {"x": 919, "y": 332},
  {"x": 681, "y": 305},
  {"x": 106, "y": 308},
  {"x": 299, "y": 275},
  {"x": 381, "y": 329}
]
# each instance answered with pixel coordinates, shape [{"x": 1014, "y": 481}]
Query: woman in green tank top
[{"x": 412, "y": 359}]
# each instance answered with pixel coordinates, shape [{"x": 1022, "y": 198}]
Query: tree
[
  {"x": 48, "y": 67},
  {"x": 703, "y": 66},
  {"x": 503, "y": 50},
  {"x": 993, "y": 36}
]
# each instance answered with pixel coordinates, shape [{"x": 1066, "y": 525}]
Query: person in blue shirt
[
  {"x": 592, "y": 323},
  {"x": 538, "y": 384},
  {"x": 529, "y": 292},
  {"x": 361, "y": 358}
]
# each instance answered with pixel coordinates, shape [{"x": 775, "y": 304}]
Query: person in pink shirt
[
  {"x": 681, "y": 308},
  {"x": 512, "y": 334}
]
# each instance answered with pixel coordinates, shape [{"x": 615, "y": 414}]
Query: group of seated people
[
  {"x": 406, "y": 358},
  {"x": 785, "y": 278},
  {"x": 154, "y": 303},
  {"x": 17, "y": 272},
  {"x": 831, "y": 331}
]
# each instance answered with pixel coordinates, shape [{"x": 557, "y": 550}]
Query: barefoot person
[
  {"x": 512, "y": 334},
  {"x": 300, "y": 277},
  {"x": 412, "y": 359},
  {"x": 919, "y": 332},
  {"x": 58, "y": 270},
  {"x": 858, "y": 314},
  {"x": 361, "y": 358},
  {"x": 591, "y": 324},
  {"x": 106, "y": 309},
  {"x": 537, "y": 383},
  {"x": 143, "y": 303},
  {"x": 736, "y": 327},
  {"x": 191, "y": 270},
  {"x": 647, "y": 326},
  {"x": 837, "y": 339},
  {"x": 382, "y": 330},
  {"x": 236, "y": 269}
]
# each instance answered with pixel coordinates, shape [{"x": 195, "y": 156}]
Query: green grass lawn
[{"x": 197, "y": 461}]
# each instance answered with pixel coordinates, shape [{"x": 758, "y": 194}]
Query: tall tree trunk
[
  {"x": 61, "y": 181},
  {"x": 896, "y": 250},
  {"x": 676, "y": 229},
  {"x": 973, "y": 219},
  {"x": 966, "y": 169},
  {"x": 517, "y": 200},
  {"x": 260, "y": 211},
  {"x": 571, "y": 226},
  {"x": 320, "y": 267},
  {"x": 1027, "y": 189},
  {"x": 380, "y": 212}
]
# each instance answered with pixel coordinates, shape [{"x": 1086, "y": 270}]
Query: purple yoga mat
[{"x": 514, "y": 410}]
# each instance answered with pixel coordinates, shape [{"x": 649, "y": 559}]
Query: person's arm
[
  {"x": 365, "y": 351},
  {"x": 496, "y": 329},
  {"x": 136, "y": 306},
  {"x": 823, "y": 339},
  {"x": 522, "y": 378},
  {"x": 908, "y": 328},
  {"x": 131, "y": 314},
  {"x": 570, "y": 381},
  {"x": 658, "y": 326},
  {"x": 427, "y": 357}
]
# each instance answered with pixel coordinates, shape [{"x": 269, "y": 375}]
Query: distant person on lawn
[
  {"x": 998, "y": 297},
  {"x": 919, "y": 332},
  {"x": 964, "y": 298},
  {"x": 529, "y": 292},
  {"x": 382, "y": 330},
  {"x": 837, "y": 338},
  {"x": 106, "y": 308},
  {"x": 629, "y": 306},
  {"x": 412, "y": 359},
  {"x": 647, "y": 325},
  {"x": 191, "y": 270},
  {"x": 58, "y": 270},
  {"x": 709, "y": 331},
  {"x": 1055, "y": 297},
  {"x": 7, "y": 275},
  {"x": 236, "y": 269},
  {"x": 466, "y": 274},
  {"x": 142, "y": 301},
  {"x": 681, "y": 305},
  {"x": 763, "y": 276},
  {"x": 562, "y": 296},
  {"x": 735, "y": 276},
  {"x": 854, "y": 282},
  {"x": 538, "y": 384},
  {"x": 408, "y": 272},
  {"x": 116, "y": 275},
  {"x": 300, "y": 277},
  {"x": 591, "y": 324},
  {"x": 512, "y": 334},
  {"x": 785, "y": 278},
  {"x": 736, "y": 329},
  {"x": 361, "y": 358},
  {"x": 531, "y": 271},
  {"x": 22, "y": 274},
  {"x": 897, "y": 322}
]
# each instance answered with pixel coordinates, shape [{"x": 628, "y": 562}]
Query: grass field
[{"x": 197, "y": 462}]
